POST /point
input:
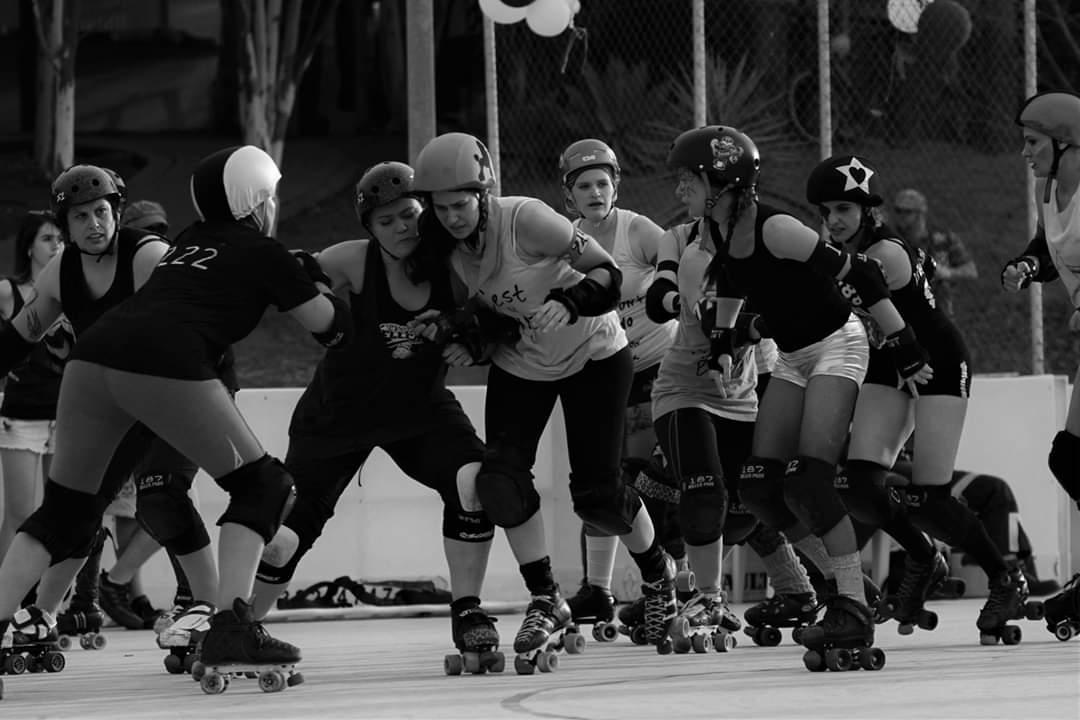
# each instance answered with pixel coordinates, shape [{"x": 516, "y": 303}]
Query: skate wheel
[
  {"x": 452, "y": 664},
  {"x": 813, "y": 661},
  {"x": 213, "y": 683},
  {"x": 272, "y": 681},
  {"x": 1063, "y": 632},
  {"x": 988, "y": 639},
  {"x": 723, "y": 642},
  {"x": 294, "y": 679},
  {"x": 522, "y": 666},
  {"x": 472, "y": 663},
  {"x": 928, "y": 620},
  {"x": 1011, "y": 635},
  {"x": 679, "y": 627},
  {"x": 872, "y": 659},
  {"x": 15, "y": 665},
  {"x": 197, "y": 670},
  {"x": 494, "y": 661},
  {"x": 174, "y": 665},
  {"x": 64, "y": 641},
  {"x": 797, "y": 635},
  {"x": 1034, "y": 611},
  {"x": 700, "y": 643},
  {"x": 681, "y": 645},
  {"x": 768, "y": 637},
  {"x": 574, "y": 643},
  {"x": 905, "y": 628},
  {"x": 685, "y": 581},
  {"x": 605, "y": 632},
  {"x": 188, "y": 663},
  {"x": 637, "y": 635},
  {"x": 86, "y": 642},
  {"x": 547, "y": 662},
  {"x": 98, "y": 642},
  {"x": 838, "y": 659},
  {"x": 53, "y": 662}
]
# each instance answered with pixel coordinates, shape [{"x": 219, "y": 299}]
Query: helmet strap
[{"x": 1058, "y": 149}]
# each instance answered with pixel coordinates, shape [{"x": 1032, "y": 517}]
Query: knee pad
[
  {"x": 739, "y": 524},
  {"x": 505, "y": 488},
  {"x": 164, "y": 509},
  {"x": 261, "y": 494},
  {"x": 464, "y": 518},
  {"x": 703, "y": 508},
  {"x": 281, "y": 556},
  {"x": 810, "y": 493},
  {"x": 861, "y": 485},
  {"x": 609, "y": 506},
  {"x": 67, "y": 523},
  {"x": 761, "y": 489},
  {"x": 765, "y": 540},
  {"x": 1064, "y": 462}
]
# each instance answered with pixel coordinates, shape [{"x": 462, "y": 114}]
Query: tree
[
  {"x": 277, "y": 41},
  {"x": 55, "y": 22},
  {"x": 1059, "y": 44}
]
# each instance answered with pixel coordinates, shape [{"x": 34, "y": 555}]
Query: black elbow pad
[
  {"x": 867, "y": 279},
  {"x": 341, "y": 328},
  {"x": 654, "y": 300},
  {"x": 589, "y": 298}
]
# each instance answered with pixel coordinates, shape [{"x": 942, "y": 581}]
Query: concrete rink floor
[{"x": 393, "y": 668}]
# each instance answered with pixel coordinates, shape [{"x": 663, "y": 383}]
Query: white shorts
[
  {"x": 33, "y": 435},
  {"x": 124, "y": 503},
  {"x": 845, "y": 353}
]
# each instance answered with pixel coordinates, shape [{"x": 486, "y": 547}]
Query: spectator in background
[{"x": 952, "y": 261}]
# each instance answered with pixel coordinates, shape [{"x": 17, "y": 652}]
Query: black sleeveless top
[
  {"x": 386, "y": 383},
  {"x": 800, "y": 306},
  {"x": 83, "y": 310},
  {"x": 33, "y": 387}
]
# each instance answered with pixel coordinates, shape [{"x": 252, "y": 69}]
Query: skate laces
[
  {"x": 33, "y": 623},
  {"x": 538, "y": 617}
]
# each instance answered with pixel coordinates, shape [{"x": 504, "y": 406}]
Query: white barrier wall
[{"x": 390, "y": 528}]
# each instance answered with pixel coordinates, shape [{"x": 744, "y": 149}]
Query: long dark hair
[
  {"x": 24, "y": 240},
  {"x": 436, "y": 242}
]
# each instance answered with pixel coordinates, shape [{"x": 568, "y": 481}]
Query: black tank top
[
  {"x": 799, "y": 305},
  {"x": 385, "y": 383},
  {"x": 81, "y": 309},
  {"x": 33, "y": 387}
]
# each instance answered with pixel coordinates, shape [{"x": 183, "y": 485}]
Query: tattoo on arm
[{"x": 577, "y": 247}]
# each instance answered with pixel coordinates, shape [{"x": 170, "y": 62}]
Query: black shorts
[
  {"x": 641, "y": 388},
  {"x": 950, "y": 361}
]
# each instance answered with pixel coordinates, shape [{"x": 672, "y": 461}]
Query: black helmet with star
[{"x": 844, "y": 177}]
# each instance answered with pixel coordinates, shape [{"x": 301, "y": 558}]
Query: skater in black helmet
[{"x": 152, "y": 360}]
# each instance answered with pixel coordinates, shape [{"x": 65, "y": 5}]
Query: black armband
[
  {"x": 312, "y": 267},
  {"x": 662, "y": 301},
  {"x": 14, "y": 348},
  {"x": 827, "y": 259},
  {"x": 750, "y": 328},
  {"x": 589, "y": 298},
  {"x": 867, "y": 279},
  {"x": 341, "y": 328}
]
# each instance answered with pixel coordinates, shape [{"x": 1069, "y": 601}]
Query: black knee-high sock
[
  {"x": 183, "y": 587},
  {"x": 934, "y": 510}
]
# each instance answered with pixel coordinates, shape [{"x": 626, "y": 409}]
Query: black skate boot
[
  {"x": 476, "y": 639},
  {"x": 546, "y": 616},
  {"x": 920, "y": 580},
  {"x": 236, "y": 644},
  {"x": 82, "y": 620},
  {"x": 704, "y": 621},
  {"x": 30, "y": 643},
  {"x": 594, "y": 605},
  {"x": 632, "y": 621},
  {"x": 660, "y": 608},
  {"x": 1037, "y": 587},
  {"x": 142, "y": 607},
  {"x": 116, "y": 602},
  {"x": 1007, "y": 601},
  {"x": 1063, "y": 611},
  {"x": 793, "y": 610},
  {"x": 843, "y": 639}
]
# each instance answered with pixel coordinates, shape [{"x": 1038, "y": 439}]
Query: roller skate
[
  {"x": 82, "y": 621},
  {"x": 795, "y": 610},
  {"x": 594, "y": 605},
  {"x": 843, "y": 639},
  {"x": 150, "y": 615},
  {"x": 236, "y": 645},
  {"x": 660, "y": 607},
  {"x": 30, "y": 643},
  {"x": 477, "y": 642},
  {"x": 704, "y": 621},
  {"x": 167, "y": 618},
  {"x": 115, "y": 600},
  {"x": 1063, "y": 611},
  {"x": 920, "y": 581},
  {"x": 546, "y": 616},
  {"x": 182, "y": 637},
  {"x": 632, "y": 621},
  {"x": 1007, "y": 601}
]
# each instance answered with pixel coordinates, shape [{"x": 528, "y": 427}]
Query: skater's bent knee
[
  {"x": 702, "y": 508},
  {"x": 811, "y": 496},
  {"x": 260, "y": 496},
  {"x": 164, "y": 509},
  {"x": 67, "y": 522},
  {"x": 506, "y": 491}
]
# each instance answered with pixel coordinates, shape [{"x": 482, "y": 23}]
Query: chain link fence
[{"x": 925, "y": 91}]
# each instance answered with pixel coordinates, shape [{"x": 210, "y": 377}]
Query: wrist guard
[
  {"x": 589, "y": 298},
  {"x": 312, "y": 267},
  {"x": 341, "y": 329},
  {"x": 908, "y": 354}
]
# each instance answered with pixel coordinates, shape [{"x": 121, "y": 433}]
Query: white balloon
[
  {"x": 574, "y": 5},
  {"x": 904, "y": 14},
  {"x": 548, "y": 17},
  {"x": 502, "y": 13}
]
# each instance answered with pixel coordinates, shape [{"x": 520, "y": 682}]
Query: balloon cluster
[{"x": 544, "y": 17}]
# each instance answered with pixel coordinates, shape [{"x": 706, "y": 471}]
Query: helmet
[
  {"x": 454, "y": 161},
  {"x": 382, "y": 184},
  {"x": 729, "y": 158},
  {"x": 145, "y": 215},
  {"x": 584, "y": 154},
  {"x": 231, "y": 184},
  {"x": 1056, "y": 114},
  {"x": 82, "y": 184},
  {"x": 844, "y": 177}
]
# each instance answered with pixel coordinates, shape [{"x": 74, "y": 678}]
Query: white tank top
[
  {"x": 648, "y": 340},
  {"x": 1063, "y": 240},
  {"x": 516, "y": 287},
  {"x": 684, "y": 380}
]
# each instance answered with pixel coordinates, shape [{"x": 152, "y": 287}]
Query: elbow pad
[
  {"x": 867, "y": 280},
  {"x": 662, "y": 301},
  {"x": 341, "y": 328},
  {"x": 14, "y": 348},
  {"x": 750, "y": 328},
  {"x": 589, "y": 298},
  {"x": 827, "y": 259},
  {"x": 312, "y": 267}
]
